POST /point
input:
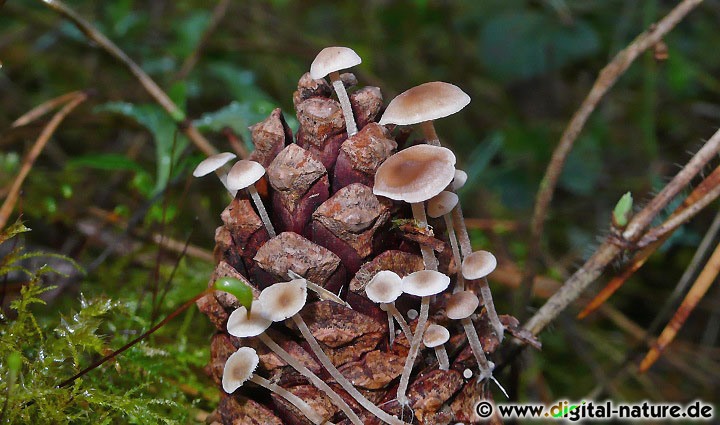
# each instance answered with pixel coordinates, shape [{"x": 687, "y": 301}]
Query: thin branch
[
  {"x": 150, "y": 86},
  {"x": 44, "y": 108},
  {"x": 48, "y": 131},
  {"x": 606, "y": 79},
  {"x": 610, "y": 249}
]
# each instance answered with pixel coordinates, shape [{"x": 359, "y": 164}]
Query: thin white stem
[
  {"x": 319, "y": 383},
  {"x": 428, "y": 129},
  {"x": 418, "y": 210},
  {"x": 391, "y": 327},
  {"x": 460, "y": 280},
  {"x": 490, "y": 308},
  {"x": 400, "y": 319},
  {"x": 484, "y": 365},
  {"x": 442, "y": 357},
  {"x": 344, "y": 103},
  {"x": 339, "y": 378},
  {"x": 321, "y": 292},
  {"x": 261, "y": 209},
  {"x": 296, "y": 401},
  {"x": 461, "y": 230},
  {"x": 412, "y": 354}
]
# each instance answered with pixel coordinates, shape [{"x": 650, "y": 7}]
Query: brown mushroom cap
[
  {"x": 478, "y": 265},
  {"x": 384, "y": 287},
  {"x": 239, "y": 368},
  {"x": 332, "y": 59},
  {"x": 283, "y": 300},
  {"x": 242, "y": 325},
  {"x": 461, "y": 305},
  {"x": 243, "y": 174},
  {"x": 441, "y": 204},
  {"x": 415, "y": 174},
  {"x": 425, "y": 283},
  {"x": 425, "y": 102},
  {"x": 212, "y": 163},
  {"x": 435, "y": 335}
]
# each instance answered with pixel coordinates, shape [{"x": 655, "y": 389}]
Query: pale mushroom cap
[
  {"x": 283, "y": 300},
  {"x": 212, "y": 163},
  {"x": 243, "y": 174},
  {"x": 425, "y": 102},
  {"x": 384, "y": 287},
  {"x": 415, "y": 174},
  {"x": 241, "y": 325},
  {"x": 461, "y": 305},
  {"x": 239, "y": 368},
  {"x": 435, "y": 335},
  {"x": 459, "y": 180},
  {"x": 331, "y": 59},
  {"x": 478, "y": 265},
  {"x": 441, "y": 204},
  {"x": 425, "y": 283}
]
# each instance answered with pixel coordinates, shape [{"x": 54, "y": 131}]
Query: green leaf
[
  {"x": 623, "y": 210},
  {"x": 110, "y": 162},
  {"x": 522, "y": 44},
  {"x": 236, "y": 287}
]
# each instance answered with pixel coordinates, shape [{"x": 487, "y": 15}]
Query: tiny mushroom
[
  {"x": 442, "y": 205},
  {"x": 384, "y": 288},
  {"x": 415, "y": 175},
  {"x": 243, "y": 324},
  {"x": 423, "y": 104},
  {"x": 240, "y": 367},
  {"x": 425, "y": 284},
  {"x": 460, "y": 306},
  {"x": 215, "y": 163},
  {"x": 243, "y": 175},
  {"x": 435, "y": 336},
  {"x": 284, "y": 300},
  {"x": 329, "y": 62},
  {"x": 459, "y": 180},
  {"x": 478, "y": 265}
]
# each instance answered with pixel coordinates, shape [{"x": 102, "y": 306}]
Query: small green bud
[
  {"x": 622, "y": 211},
  {"x": 236, "y": 287}
]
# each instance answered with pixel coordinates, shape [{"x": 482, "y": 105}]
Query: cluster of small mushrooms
[{"x": 424, "y": 176}]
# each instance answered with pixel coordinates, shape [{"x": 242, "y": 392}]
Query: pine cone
[{"x": 334, "y": 232}]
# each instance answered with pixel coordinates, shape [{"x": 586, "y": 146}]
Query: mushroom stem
[
  {"x": 339, "y": 378},
  {"x": 484, "y": 365},
  {"x": 442, "y": 357},
  {"x": 261, "y": 209},
  {"x": 391, "y": 309},
  {"x": 461, "y": 231},
  {"x": 490, "y": 307},
  {"x": 391, "y": 327},
  {"x": 412, "y": 354},
  {"x": 344, "y": 103},
  {"x": 418, "y": 210},
  {"x": 319, "y": 383},
  {"x": 460, "y": 281},
  {"x": 428, "y": 129},
  {"x": 296, "y": 401},
  {"x": 321, "y": 292}
]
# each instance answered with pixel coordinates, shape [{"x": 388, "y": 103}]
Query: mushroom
[
  {"x": 442, "y": 205},
  {"x": 435, "y": 336},
  {"x": 478, "y": 265},
  {"x": 415, "y": 175},
  {"x": 459, "y": 180},
  {"x": 423, "y": 104},
  {"x": 329, "y": 62},
  {"x": 384, "y": 288},
  {"x": 215, "y": 163},
  {"x": 461, "y": 306},
  {"x": 425, "y": 284},
  {"x": 243, "y": 175},
  {"x": 284, "y": 300},
  {"x": 243, "y": 324},
  {"x": 240, "y": 367}
]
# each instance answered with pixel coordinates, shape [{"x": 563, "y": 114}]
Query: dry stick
[
  {"x": 653, "y": 240},
  {"x": 29, "y": 160},
  {"x": 44, "y": 108},
  {"x": 698, "y": 290},
  {"x": 609, "y": 250},
  {"x": 150, "y": 86},
  {"x": 606, "y": 79}
]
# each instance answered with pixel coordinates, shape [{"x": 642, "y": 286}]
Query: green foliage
[{"x": 623, "y": 210}]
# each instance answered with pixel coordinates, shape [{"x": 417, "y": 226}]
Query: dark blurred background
[{"x": 527, "y": 66}]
